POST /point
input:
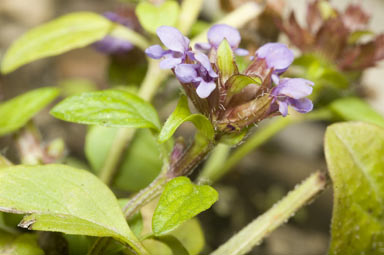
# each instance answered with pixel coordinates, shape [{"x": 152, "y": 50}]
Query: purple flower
[
  {"x": 113, "y": 45},
  {"x": 293, "y": 92},
  {"x": 200, "y": 74},
  {"x": 177, "y": 44},
  {"x": 217, "y": 33},
  {"x": 277, "y": 56}
]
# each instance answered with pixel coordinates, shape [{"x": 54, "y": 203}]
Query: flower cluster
[{"x": 210, "y": 77}]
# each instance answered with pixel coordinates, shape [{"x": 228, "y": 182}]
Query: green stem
[{"x": 256, "y": 231}]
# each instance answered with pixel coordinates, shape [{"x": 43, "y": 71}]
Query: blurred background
[{"x": 261, "y": 178}]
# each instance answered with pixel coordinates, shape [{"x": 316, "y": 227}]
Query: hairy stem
[{"x": 257, "y": 230}]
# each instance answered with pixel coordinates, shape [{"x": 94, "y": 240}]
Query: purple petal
[
  {"x": 217, "y": 33},
  {"x": 186, "y": 73},
  {"x": 283, "y": 108},
  {"x": 205, "y": 89},
  {"x": 203, "y": 46},
  {"x": 302, "y": 105},
  {"x": 204, "y": 61},
  {"x": 155, "y": 51},
  {"x": 173, "y": 39},
  {"x": 295, "y": 88},
  {"x": 277, "y": 55},
  {"x": 241, "y": 52},
  {"x": 275, "y": 78},
  {"x": 112, "y": 45},
  {"x": 169, "y": 62}
]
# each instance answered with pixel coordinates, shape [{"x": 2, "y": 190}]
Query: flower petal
[
  {"x": 170, "y": 62},
  {"x": 203, "y": 46},
  {"x": 241, "y": 52},
  {"x": 173, "y": 38},
  {"x": 204, "y": 61},
  {"x": 155, "y": 51},
  {"x": 277, "y": 55},
  {"x": 283, "y": 108},
  {"x": 113, "y": 45},
  {"x": 295, "y": 88},
  {"x": 205, "y": 89},
  {"x": 302, "y": 105},
  {"x": 186, "y": 73},
  {"x": 217, "y": 33}
]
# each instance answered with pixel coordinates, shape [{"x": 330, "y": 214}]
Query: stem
[
  {"x": 237, "y": 18},
  {"x": 257, "y": 230},
  {"x": 190, "y": 10}
]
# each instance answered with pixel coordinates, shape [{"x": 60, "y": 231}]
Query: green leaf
[
  {"x": 65, "y": 199},
  {"x": 356, "y": 36},
  {"x": 237, "y": 82},
  {"x": 63, "y": 34},
  {"x": 180, "y": 201},
  {"x": 16, "y": 112},
  {"x": 173, "y": 243},
  {"x": 225, "y": 61},
  {"x": 183, "y": 114},
  {"x": 4, "y": 162},
  {"x": 71, "y": 87},
  {"x": 137, "y": 169},
  {"x": 354, "y": 153},
  {"x": 153, "y": 16},
  {"x": 25, "y": 244},
  {"x": 136, "y": 221},
  {"x": 354, "y": 108},
  {"x": 115, "y": 108}
]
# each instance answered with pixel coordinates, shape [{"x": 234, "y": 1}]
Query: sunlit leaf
[
  {"x": 354, "y": 108},
  {"x": 152, "y": 16},
  {"x": 180, "y": 201},
  {"x": 115, "y": 108},
  {"x": 225, "y": 60},
  {"x": 16, "y": 112},
  {"x": 65, "y": 33},
  {"x": 65, "y": 199},
  {"x": 181, "y": 115},
  {"x": 354, "y": 153}
]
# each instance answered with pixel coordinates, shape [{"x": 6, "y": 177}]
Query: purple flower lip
[
  {"x": 277, "y": 55},
  {"x": 177, "y": 44},
  {"x": 293, "y": 92},
  {"x": 217, "y": 33}
]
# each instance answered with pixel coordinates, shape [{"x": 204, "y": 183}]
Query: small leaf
[
  {"x": 181, "y": 200},
  {"x": 65, "y": 199},
  {"x": 25, "y": 244},
  {"x": 137, "y": 169},
  {"x": 356, "y": 36},
  {"x": 115, "y": 108},
  {"x": 151, "y": 16},
  {"x": 183, "y": 114},
  {"x": 237, "y": 82},
  {"x": 63, "y": 34},
  {"x": 225, "y": 61},
  {"x": 354, "y": 108},
  {"x": 16, "y": 112},
  {"x": 354, "y": 153}
]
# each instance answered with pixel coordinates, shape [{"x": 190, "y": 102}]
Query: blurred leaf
[
  {"x": 24, "y": 244},
  {"x": 180, "y": 201},
  {"x": 173, "y": 243},
  {"x": 225, "y": 60},
  {"x": 116, "y": 108},
  {"x": 237, "y": 82},
  {"x": 354, "y": 108},
  {"x": 356, "y": 36},
  {"x": 183, "y": 114},
  {"x": 354, "y": 153},
  {"x": 233, "y": 139},
  {"x": 16, "y": 112},
  {"x": 63, "y": 34},
  {"x": 77, "y": 244},
  {"x": 4, "y": 162},
  {"x": 199, "y": 27},
  {"x": 153, "y": 16},
  {"x": 64, "y": 199},
  {"x": 137, "y": 169},
  {"x": 71, "y": 87}
]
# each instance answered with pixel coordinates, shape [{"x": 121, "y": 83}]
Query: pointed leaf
[
  {"x": 354, "y": 108},
  {"x": 115, "y": 108},
  {"x": 16, "y": 112},
  {"x": 225, "y": 61},
  {"x": 354, "y": 153},
  {"x": 63, "y": 34},
  {"x": 183, "y": 114},
  {"x": 237, "y": 82},
  {"x": 65, "y": 199},
  {"x": 181, "y": 200},
  {"x": 152, "y": 16}
]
